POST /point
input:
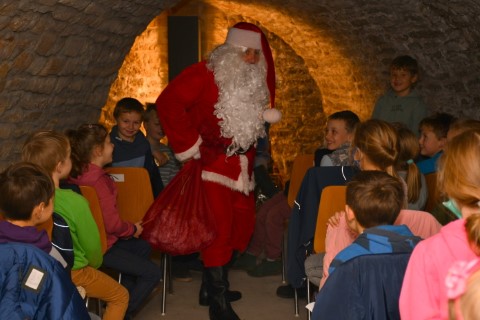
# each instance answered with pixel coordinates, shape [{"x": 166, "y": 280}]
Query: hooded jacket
[
  {"x": 423, "y": 294},
  {"x": 106, "y": 190},
  {"x": 35, "y": 286}
]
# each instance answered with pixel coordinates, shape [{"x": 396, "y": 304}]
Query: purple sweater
[{"x": 29, "y": 235}]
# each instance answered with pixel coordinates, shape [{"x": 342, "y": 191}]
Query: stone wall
[{"x": 61, "y": 61}]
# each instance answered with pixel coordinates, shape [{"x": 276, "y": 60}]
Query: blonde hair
[
  {"x": 467, "y": 305},
  {"x": 378, "y": 140},
  {"x": 409, "y": 150},
  {"x": 46, "y": 148},
  {"x": 459, "y": 170}
]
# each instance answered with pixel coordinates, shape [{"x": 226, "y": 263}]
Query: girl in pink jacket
[{"x": 424, "y": 293}]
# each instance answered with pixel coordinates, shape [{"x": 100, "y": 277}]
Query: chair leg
[
  {"x": 295, "y": 302},
  {"x": 284, "y": 258},
  {"x": 309, "y": 315},
  {"x": 164, "y": 283}
]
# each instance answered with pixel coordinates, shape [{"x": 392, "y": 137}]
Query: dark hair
[
  {"x": 150, "y": 108},
  {"x": 350, "y": 118},
  {"x": 375, "y": 198},
  {"x": 439, "y": 123},
  {"x": 82, "y": 142},
  {"x": 127, "y": 105},
  {"x": 406, "y": 63},
  {"x": 23, "y": 186}
]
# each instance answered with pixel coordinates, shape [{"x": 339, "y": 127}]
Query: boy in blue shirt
[
  {"x": 433, "y": 138},
  {"x": 132, "y": 149},
  {"x": 368, "y": 274},
  {"x": 402, "y": 103}
]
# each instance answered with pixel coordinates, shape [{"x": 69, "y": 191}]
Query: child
[
  {"x": 407, "y": 169},
  {"x": 131, "y": 147},
  {"x": 269, "y": 225},
  {"x": 51, "y": 151},
  {"x": 374, "y": 200},
  {"x": 402, "y": 103},
  {"x": 338, "y": 136},
  {"x": 433, "y": 138},
  {"x": 424, "y": 295},
  {"x": 41, "y": 288},
  {"x": 168, "y": 165},
  {"x": 126, "y": 253}
]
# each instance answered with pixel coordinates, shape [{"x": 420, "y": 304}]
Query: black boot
[
  {"x": 220, "y": 308},
  {"x": 203, "y": 294}
]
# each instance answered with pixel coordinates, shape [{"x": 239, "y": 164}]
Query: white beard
[{"x": 242, "y": 98}]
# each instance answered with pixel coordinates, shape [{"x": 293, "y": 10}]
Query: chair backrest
[
  {"x": 135, "y": 194},
  {"x": 433, "y": 192},
  {"x": 333, "y": 199},
  {"x": 301, "y": 164},
  {"x": 91, "y": 195}
]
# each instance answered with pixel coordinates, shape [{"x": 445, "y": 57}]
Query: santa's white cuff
[{"x": 192, "y": 152}]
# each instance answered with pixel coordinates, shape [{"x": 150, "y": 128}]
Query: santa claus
[{"x": 215, "y": 111}]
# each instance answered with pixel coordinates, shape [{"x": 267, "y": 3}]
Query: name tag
[{"x": 34, "y": 279}]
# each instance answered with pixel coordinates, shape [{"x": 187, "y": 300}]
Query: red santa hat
[{"x": 249, "y": 35}]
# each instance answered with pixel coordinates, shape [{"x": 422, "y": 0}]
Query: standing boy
[
  {"x": 433, "y": 138},
  {"x": 402, "y": 103},
  {"x": 132, "y": 149},
  {"x": 368, "y": 274}
]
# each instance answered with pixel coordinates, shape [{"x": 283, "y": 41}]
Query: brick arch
[{"x": 58, "y": 59}]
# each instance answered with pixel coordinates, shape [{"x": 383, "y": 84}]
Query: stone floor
[{"x": 259, "y": 300}]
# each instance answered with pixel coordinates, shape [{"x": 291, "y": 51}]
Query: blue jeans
[{"x": 140, "y": 275}]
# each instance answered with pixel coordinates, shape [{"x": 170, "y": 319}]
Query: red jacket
[
  {"x": 186, "y": 110},
  {"x": 106, "y": 190}
]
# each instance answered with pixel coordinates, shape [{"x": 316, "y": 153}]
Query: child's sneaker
[
  {"x": 245, "y": 262},
  {"x": 266, "y": 268}
]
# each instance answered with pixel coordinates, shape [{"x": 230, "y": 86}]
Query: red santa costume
[{"x": 215, "y": 111}]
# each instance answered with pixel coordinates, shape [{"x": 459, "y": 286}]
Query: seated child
[
  {"x": 402, "y": 103},
  {"x": 51, "y": 151},
  {"x": 338, "y": 137},
  {"x": 424, "y": 294},
  {"x": 408, "y": 150},
  {"x": 132, "y": 149},
  {"x": 43, "y": 288},
  {"x": 168, "y": 165},
  {"x": 269, "y": 225},
  {"x": 126, "y": 253},
  {"x": 374, "y": 200},
  {"x": 433, "y": 138}
]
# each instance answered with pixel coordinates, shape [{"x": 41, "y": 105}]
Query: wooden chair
[
  {"x": 91, "y": 195},
  {"x": 433, "y": 192},
  {"x": 301, "y": 164},
  {"x": 333, "y": 199},
  {"x": 135, "y": 196}
]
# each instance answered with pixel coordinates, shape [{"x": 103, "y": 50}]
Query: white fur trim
[
  {"x": 272, "y": 115},
  {"x": 244, "y": 38},
  {"x": 193, "y": 152},
  {"x": 242, "y": 184}
]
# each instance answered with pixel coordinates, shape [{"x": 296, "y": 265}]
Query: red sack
[{"x": 179, "y": 221}]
